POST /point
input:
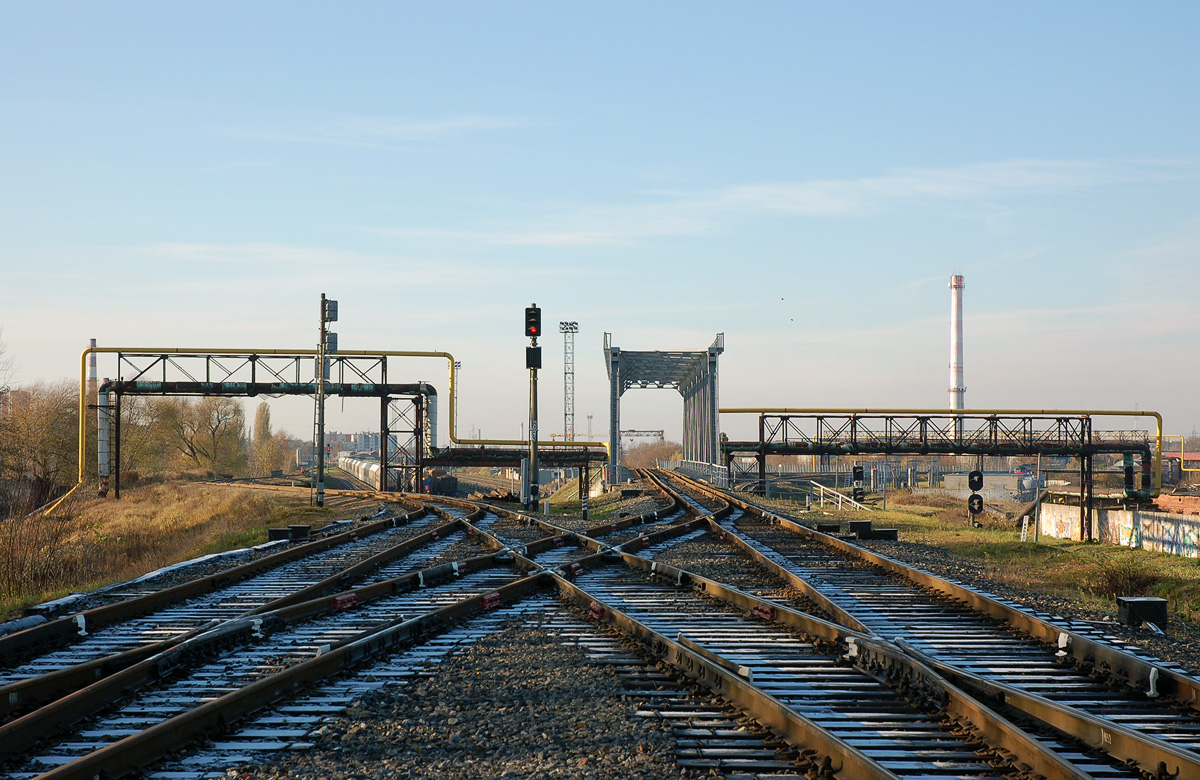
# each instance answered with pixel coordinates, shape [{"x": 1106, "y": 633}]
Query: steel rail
[
  {"x": 65, "y": 629},
  {"x": 728, "y": 679},
  {"x": 1085, "y": 652},
  {"x": 52, "y": 685},
  {"x": 1147, "y": 752},
  {"x": 733, "y": 682},
  {"x": 795, "y": 728},
  {"x": 839, "y": 613},
  {"x": 60, "y": 715},
  {"x": 139, "y": 750}
]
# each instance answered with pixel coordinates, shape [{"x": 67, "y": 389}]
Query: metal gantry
[
  {"x": 409, "y": 409},
  {"x": 981, "y": 432},
  {"x": 693, "y": 374}
]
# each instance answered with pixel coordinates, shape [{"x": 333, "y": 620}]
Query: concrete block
[{"x": 861, "y": 528}]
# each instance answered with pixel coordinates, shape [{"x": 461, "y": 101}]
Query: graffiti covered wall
[{"x": 1159, "y": 531}]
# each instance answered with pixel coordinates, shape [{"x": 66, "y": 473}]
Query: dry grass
[{"x": 99, "y": 541}]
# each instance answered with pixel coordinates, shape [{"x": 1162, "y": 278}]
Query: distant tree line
[
  {"x": 39, "y": 425},
  {"x": 646, "y": 454}
]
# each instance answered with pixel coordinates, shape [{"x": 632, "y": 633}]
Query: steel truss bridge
[
  {"x": 693, "y": 374},
  {"x": 996, "y": 432}
]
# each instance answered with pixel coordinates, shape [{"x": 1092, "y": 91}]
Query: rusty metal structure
[
  {"x": 993, "y": 432},
  {"x": 408, "y": 412}
]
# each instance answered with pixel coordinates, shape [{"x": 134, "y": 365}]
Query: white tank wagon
[{"x": 365, "y": 468}]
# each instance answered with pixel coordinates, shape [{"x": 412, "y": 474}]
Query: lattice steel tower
[{"x": 568, "y": 329}]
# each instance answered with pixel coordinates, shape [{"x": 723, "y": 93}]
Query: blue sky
[{"x": 803, "y": 177}]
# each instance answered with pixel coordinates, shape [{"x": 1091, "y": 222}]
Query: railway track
[
  {"x": 1130, "y": 705},
  {"x": 851, "y": 668}
]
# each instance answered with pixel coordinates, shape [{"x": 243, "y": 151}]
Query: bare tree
[
  {"x": 210, "y": 433},
  {"x": 7, "y": 370},
  {"x": 38, "y": 441},
  {"x": 268, "y": 449},
  {"x": 644, "y": 455}
]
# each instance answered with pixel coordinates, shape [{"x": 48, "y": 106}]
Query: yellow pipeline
[
  {"x": 83, "y": 361},
  {"x": 1181, "y": 448},
  {"x": 997, "y": 412}
]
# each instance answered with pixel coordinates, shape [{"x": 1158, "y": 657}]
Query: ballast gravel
[
  {"x": 719, "y": 561},
  {"x": 1180, "y": 644},
  {"x": 517, "y": 704}
]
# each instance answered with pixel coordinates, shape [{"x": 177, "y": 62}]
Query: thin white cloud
[
  {"x": 694, "y": 213},
  {"x": 284, "y": 263}
]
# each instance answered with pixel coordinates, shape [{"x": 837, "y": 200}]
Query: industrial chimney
[
  {"x": 92, "y": 385},
  {"x": 957, "y": 390}
]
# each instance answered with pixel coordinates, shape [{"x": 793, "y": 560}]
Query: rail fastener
[{"x": 765, "y": 611}]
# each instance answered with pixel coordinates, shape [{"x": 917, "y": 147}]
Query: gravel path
[{"x": 516, "y": 704}]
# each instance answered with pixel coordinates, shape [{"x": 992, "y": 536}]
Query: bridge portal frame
[{"x": 693, "y": 374}]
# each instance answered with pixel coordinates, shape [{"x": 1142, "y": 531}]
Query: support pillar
[
  {"x": 117, "y": 448},
  {"x": 614, "y": 413},
  {"x": 384, "y": 402},
  {"x": 419, "y": 443},
  {"x": 762, "y": 454}
]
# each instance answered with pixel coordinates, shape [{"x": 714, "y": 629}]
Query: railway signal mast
[
  {"x": 326, "y": 345},
  {"x": 533, "y": 361}
]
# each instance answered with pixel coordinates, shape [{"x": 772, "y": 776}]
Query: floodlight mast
[{"x": 568, "y": 329}]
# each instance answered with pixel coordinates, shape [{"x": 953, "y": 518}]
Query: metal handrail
[{"x": 822, "y": 490}]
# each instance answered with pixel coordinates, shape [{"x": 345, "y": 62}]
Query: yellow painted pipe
[
  {"x": 83, "y": 361},
  {"x": 1181, "y": 448},
  {"x": 986, "y": 412}
]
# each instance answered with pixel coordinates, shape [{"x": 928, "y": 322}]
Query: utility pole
[
  {"x": 327, "y": 344},
  {"x": 533, "y": 361},
  {"x": 568, "y": 329}
]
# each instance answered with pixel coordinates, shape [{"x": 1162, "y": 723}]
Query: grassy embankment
[
  {"x": 1090, "y": 576},
  {"x": 99, "y": 541}
]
